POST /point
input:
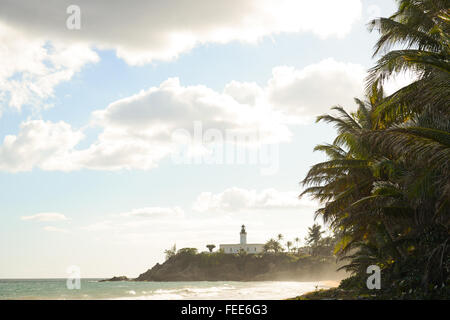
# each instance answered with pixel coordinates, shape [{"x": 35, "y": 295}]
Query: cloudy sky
[{"x": 162, "y": 122}]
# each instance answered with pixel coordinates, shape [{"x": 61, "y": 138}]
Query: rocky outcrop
[{"x": 121, "y": 278}]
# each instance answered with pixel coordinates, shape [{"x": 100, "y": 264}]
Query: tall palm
[
  {"x": 421, "y": 29},
  {"x": 386, "y": 185},
  {"x": 289, "y": 245},
  {"x": 417, "y": 117},
  {"x": 347, "y": 178}
]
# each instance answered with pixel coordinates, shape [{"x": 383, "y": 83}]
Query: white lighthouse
[
  {"x": 243, "y": 245},
  {"x": 243, "y": 236}
]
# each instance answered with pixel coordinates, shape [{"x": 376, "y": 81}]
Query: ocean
[{"x": 92, "y": 289}]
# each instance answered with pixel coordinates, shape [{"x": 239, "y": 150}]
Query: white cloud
[
  {"x": 245, "y": 92},
  {"x": 38, "y": 52},
  {"x": 238, "y": 199},
  {"x": 31, "y": 67},
  {"x": 302, "y": 94},
  {"x": 161, "y": 30},
  {"x": 139, "y": 131},
  {"x": 156, "y": 112},
  {"x": 42, "y": 144},
  {"x": 45, "y": 216},
  {"x": 311, "y": 91}
]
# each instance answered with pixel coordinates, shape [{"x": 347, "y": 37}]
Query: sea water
[{"x": 93, "y": 289}]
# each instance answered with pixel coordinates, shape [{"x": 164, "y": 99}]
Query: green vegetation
[
  {"x": 316, "y": 244},
  {"x": 385, "y": 187},
  {"x": 289, "y": 245},
  {"x": 171, "y": 252},
  {"x": 189, "y": 265},
  {"x": 273, "y": 246}
]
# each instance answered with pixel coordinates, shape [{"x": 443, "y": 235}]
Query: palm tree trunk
[{"x": 391, "y": 235}]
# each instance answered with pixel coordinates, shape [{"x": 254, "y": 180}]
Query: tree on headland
[
  {"x": 210, "y": 247},
  {"x": 289, "y": 245},
  {"x": 241, "y": 253},
  {"x": 170, "y": 252},
  {"x": 314, "y": 235},
  {"x": 297, "y": 242},
  {"x": 187, "y": 251},
  {"x": 272, "y": 246}
]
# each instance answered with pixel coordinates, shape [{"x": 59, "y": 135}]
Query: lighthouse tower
[
  {"x": 250, "y": 248},
  {"x": 243, "y": 236}
]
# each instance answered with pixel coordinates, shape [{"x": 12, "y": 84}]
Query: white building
[{"x": 243, "y": 245}]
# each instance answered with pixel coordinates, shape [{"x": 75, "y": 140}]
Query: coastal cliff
[{"x": 219, "y": 266}]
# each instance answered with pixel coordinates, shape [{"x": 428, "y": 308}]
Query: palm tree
[
  {"x": 280, "y": 237},
  {"x": 210, "y": 247},
  {"x": 314, "y": 235},
  {"x": 422, "y": 28},
  {"x": 347, "y": 176},
  {"x": 171, "y": 252},
  {"x": 417, "y": 121},
  {"x": 288, "y": 245},
  {"x": 297, "y": 241},
  {"x": 385, "y": 187},
  {"x": 272, "y": 246},
  {"x": 349, "y": 183}
]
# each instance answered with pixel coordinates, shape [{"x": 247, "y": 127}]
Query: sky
[{"x": 130, "y": 126}]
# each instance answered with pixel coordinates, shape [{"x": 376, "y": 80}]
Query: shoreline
[
  {"x": 327, "y": 286},
  {"x": 187, "y": 290}
]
